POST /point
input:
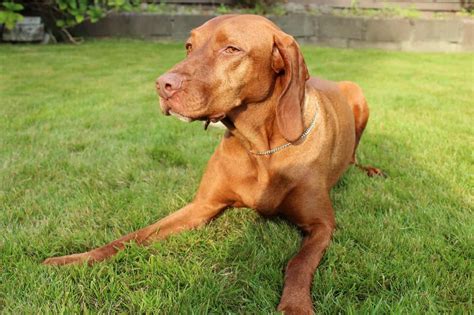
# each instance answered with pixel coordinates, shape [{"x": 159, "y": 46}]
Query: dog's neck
[{"x": 255, "y": 125}]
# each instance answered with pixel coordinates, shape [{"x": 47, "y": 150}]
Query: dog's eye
[
  {"x": 189, "y": 47},
  {"x": 231, "y": 50}
]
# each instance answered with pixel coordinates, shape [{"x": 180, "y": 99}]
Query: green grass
[{"x": 85, "y": 157}]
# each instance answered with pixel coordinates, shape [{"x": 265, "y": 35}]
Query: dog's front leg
[
  {"x": 212, "y": 198},
  {"x": 191, "y": 216},
  {"x": 315, "y": 217}
]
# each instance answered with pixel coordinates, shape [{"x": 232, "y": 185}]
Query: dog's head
[{"x": 234, "y": 60}]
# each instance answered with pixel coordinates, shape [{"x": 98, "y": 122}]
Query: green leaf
[
  {"x": 70, "y": 22},
  {"x": 79, "y": 18},
  {"x": 118, "y": 3},
  {"x": 60, "y": 23},
  {"x": 10, "y": 18},
  {"x": 95, "y": 13},
  {"x": 82, "y": 4},
  {"x": 62, "y": 4},
  {"x": 12, "y": 6},
  {"x": 126, "y": 7}
]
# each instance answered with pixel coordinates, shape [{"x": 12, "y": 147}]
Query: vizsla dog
[{"x": 289, "y": 139}]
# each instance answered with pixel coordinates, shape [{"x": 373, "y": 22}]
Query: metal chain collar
[{"x": 286, "y": 145}]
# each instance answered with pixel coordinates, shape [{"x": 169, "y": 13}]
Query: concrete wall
[
  {"x": 326, "y": 30},
  {"x": 424, "y": 5}
]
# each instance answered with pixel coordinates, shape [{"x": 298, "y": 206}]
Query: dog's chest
[{"x": 264, "y": 191}]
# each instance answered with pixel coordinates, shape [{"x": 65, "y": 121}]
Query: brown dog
[{"x": 289, "y": 139}]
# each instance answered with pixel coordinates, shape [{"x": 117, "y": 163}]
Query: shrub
[
  {"x": 59, "y": 15},
  {"x": 9, "y": 14}
]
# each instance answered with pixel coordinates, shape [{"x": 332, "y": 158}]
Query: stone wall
[
  {"x": 424, "y": 5},
  {"x": 326, "y": 30}
]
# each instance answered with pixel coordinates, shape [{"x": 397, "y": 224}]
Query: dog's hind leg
[
  {"x": 359, "y": 107},
  {"x": 361, "y": 116}
]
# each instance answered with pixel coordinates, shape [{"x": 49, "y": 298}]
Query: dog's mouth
[
  {"x": 168, "y": 109},
  {"x": 180, "y": 117}
]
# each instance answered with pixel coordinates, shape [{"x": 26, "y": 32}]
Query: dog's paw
[
  {"x": 373, "y": 171},
  {"x": 289, "y": 308}
]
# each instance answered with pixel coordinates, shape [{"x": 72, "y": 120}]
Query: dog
[{"x": 289, "y": 139}]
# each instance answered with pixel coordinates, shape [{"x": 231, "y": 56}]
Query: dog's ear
[{"x": 288, "y": 61}]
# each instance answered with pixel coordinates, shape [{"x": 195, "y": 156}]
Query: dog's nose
[{"x": 168, "y": 84}]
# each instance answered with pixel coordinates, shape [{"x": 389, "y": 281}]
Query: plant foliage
[
  {"x": 63, "y": 14},
  {"x": 261, "y": 6},
  {"x": 9, "y": 14}
]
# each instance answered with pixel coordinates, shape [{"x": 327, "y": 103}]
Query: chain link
[{"x": 286, "y": 145}]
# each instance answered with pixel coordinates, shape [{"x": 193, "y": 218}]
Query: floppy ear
[{"x": 287, "y": 58}]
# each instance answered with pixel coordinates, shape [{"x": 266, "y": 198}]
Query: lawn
[{"x": 86, "y": 156}]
